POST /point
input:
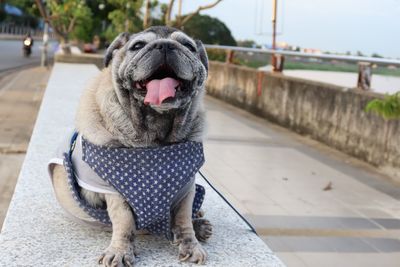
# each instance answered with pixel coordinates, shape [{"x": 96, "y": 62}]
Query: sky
[{"x": 369, "y": 26}]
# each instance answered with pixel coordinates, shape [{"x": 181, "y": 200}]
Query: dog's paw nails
[
  {"x": 174, "y": 242},
  {"x": 184, "y": 258},
  {"x": 200, "y": 214},
  {"x": 101, "y": 258},
  {"x": 202, "y": 229},
  {"x": 117, "y": 258},
  {"x": 192, "y": 251}
]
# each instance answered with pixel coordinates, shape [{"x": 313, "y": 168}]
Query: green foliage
[
  {"x": 27, "y": 6},
  {"x": 73, "y": 18},
  {"x": 252, "y": 63},
  {"x": 216, "y": 55},
  {"x": 157, "y": 13},
  {"x": 29, "y": 9},
  {"x": 83, "y": 30},
  {"x": 3, "y": 14},
  {"x": 125, "y": 17},
  {"x": 100, "y": 19},
  {"x": 360, "y": 54},
  {"x": 376, "y": 55},
  {"x": 209, "y": 30},
  {"x": 388, "y": 108},
  {"x": 247, "y": 43}
]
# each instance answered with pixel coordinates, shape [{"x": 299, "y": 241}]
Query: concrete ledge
[
  {"x": 37, "y": 232},
  {"x": 95, "y": 59},
  {"x": 330, "y": 114}
]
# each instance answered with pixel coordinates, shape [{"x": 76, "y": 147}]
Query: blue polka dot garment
[{"x": 150, "y": 179}]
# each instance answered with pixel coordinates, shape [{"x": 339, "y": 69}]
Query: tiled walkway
[
  {"x": 20, "y": 97},
  {"x": 313, "y": 206}
]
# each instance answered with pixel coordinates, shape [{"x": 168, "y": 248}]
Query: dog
[{"x": 147, "y": 99}]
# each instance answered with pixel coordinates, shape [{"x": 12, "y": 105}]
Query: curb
[{"x": 5, "y": 72}]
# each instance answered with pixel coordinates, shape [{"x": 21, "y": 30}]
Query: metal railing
[
  {"x": 379, "y": 61},
  {"x": 365, "y": 63},
  {"x": 16, "y": 30}
]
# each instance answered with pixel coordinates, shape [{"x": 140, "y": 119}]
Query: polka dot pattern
[
  {"x": 148, "y": 178},
  {"x": 99, "y": 214}
]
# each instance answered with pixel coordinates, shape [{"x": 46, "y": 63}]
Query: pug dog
[{"x": 148, "y": 96}]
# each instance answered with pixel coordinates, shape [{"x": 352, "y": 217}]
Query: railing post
[
  {"x": 364, "y": 75},
  {"x": 44, "y": 62},
  {"x": 229, "y": 56},
  {"x": 278, "y": 62}
]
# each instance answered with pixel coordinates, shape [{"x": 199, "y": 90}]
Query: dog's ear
[
  {"x": 202, "y": 53},
  {"x": 118, "y": 42}
]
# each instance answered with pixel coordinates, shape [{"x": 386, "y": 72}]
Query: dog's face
[{"x": 160, "y": 67}]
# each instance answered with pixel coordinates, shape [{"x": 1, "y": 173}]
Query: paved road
[
  {"x": 20, "y": 97},
  {"x": 11, "y": 54}
]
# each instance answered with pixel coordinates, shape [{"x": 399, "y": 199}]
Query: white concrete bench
[{"x": 37, "y": 232}]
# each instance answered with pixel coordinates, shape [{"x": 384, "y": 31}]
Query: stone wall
[{"x": 330, "y": 114}]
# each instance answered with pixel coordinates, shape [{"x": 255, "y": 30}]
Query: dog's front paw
[
  {"x": 118, "y": 257},
  {"x": 190, "y": 250},
  {"x": 202, "y": 229}
]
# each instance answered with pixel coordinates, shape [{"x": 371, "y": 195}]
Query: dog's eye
[
  {"x": 189, "y": 46},
  {"x": 137, "y": 46}
]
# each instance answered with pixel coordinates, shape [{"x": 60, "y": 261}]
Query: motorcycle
[{"x": 27, "y": 46}]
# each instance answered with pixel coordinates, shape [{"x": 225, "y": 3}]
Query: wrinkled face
[{"x": 161, "y": 67}]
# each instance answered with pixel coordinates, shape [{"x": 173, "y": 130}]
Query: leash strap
[{"x": 229, "y": 204}]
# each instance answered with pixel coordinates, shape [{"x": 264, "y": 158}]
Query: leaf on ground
[{"x": 328, "y": 186}]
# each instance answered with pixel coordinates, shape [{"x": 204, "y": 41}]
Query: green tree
[
  {"x": 376, "y": 55},
  {"x": 124, "y": 18},
  {"x": 3, "y": 14},
  {"x": 360, "y": 54},
  {"x": 27, "y": 6},
  {"x": 209, "y": 30},
  {"x": 154, "y": 13},
  {"x": 247, "y": 43},
  {"x": 181, "y": 19},
  {"x": 68, "y": 18},
  {"x": 30, "y": 13},
  {"x": 72, "y": 18},
  {"x": 100, "y": 20}
]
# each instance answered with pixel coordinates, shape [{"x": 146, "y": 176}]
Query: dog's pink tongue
[{"x": 159, "y": 90}]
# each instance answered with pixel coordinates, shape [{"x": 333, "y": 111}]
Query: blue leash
[{"x": 229, "y": 204}]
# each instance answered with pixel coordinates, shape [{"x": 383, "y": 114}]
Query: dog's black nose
[{"x": 164, "y": 46}]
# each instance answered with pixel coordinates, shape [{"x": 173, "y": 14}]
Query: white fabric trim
[
  {"x": 81, "y": 183},
  {"x": 56, "y": 161},
  {"x": 93, "y": 188},
  {"x": 52, "y": 161}
]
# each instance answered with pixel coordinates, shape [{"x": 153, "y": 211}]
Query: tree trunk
[
  {"x": 65, "y": 45},
  {"x": 146, "y": 19}
]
